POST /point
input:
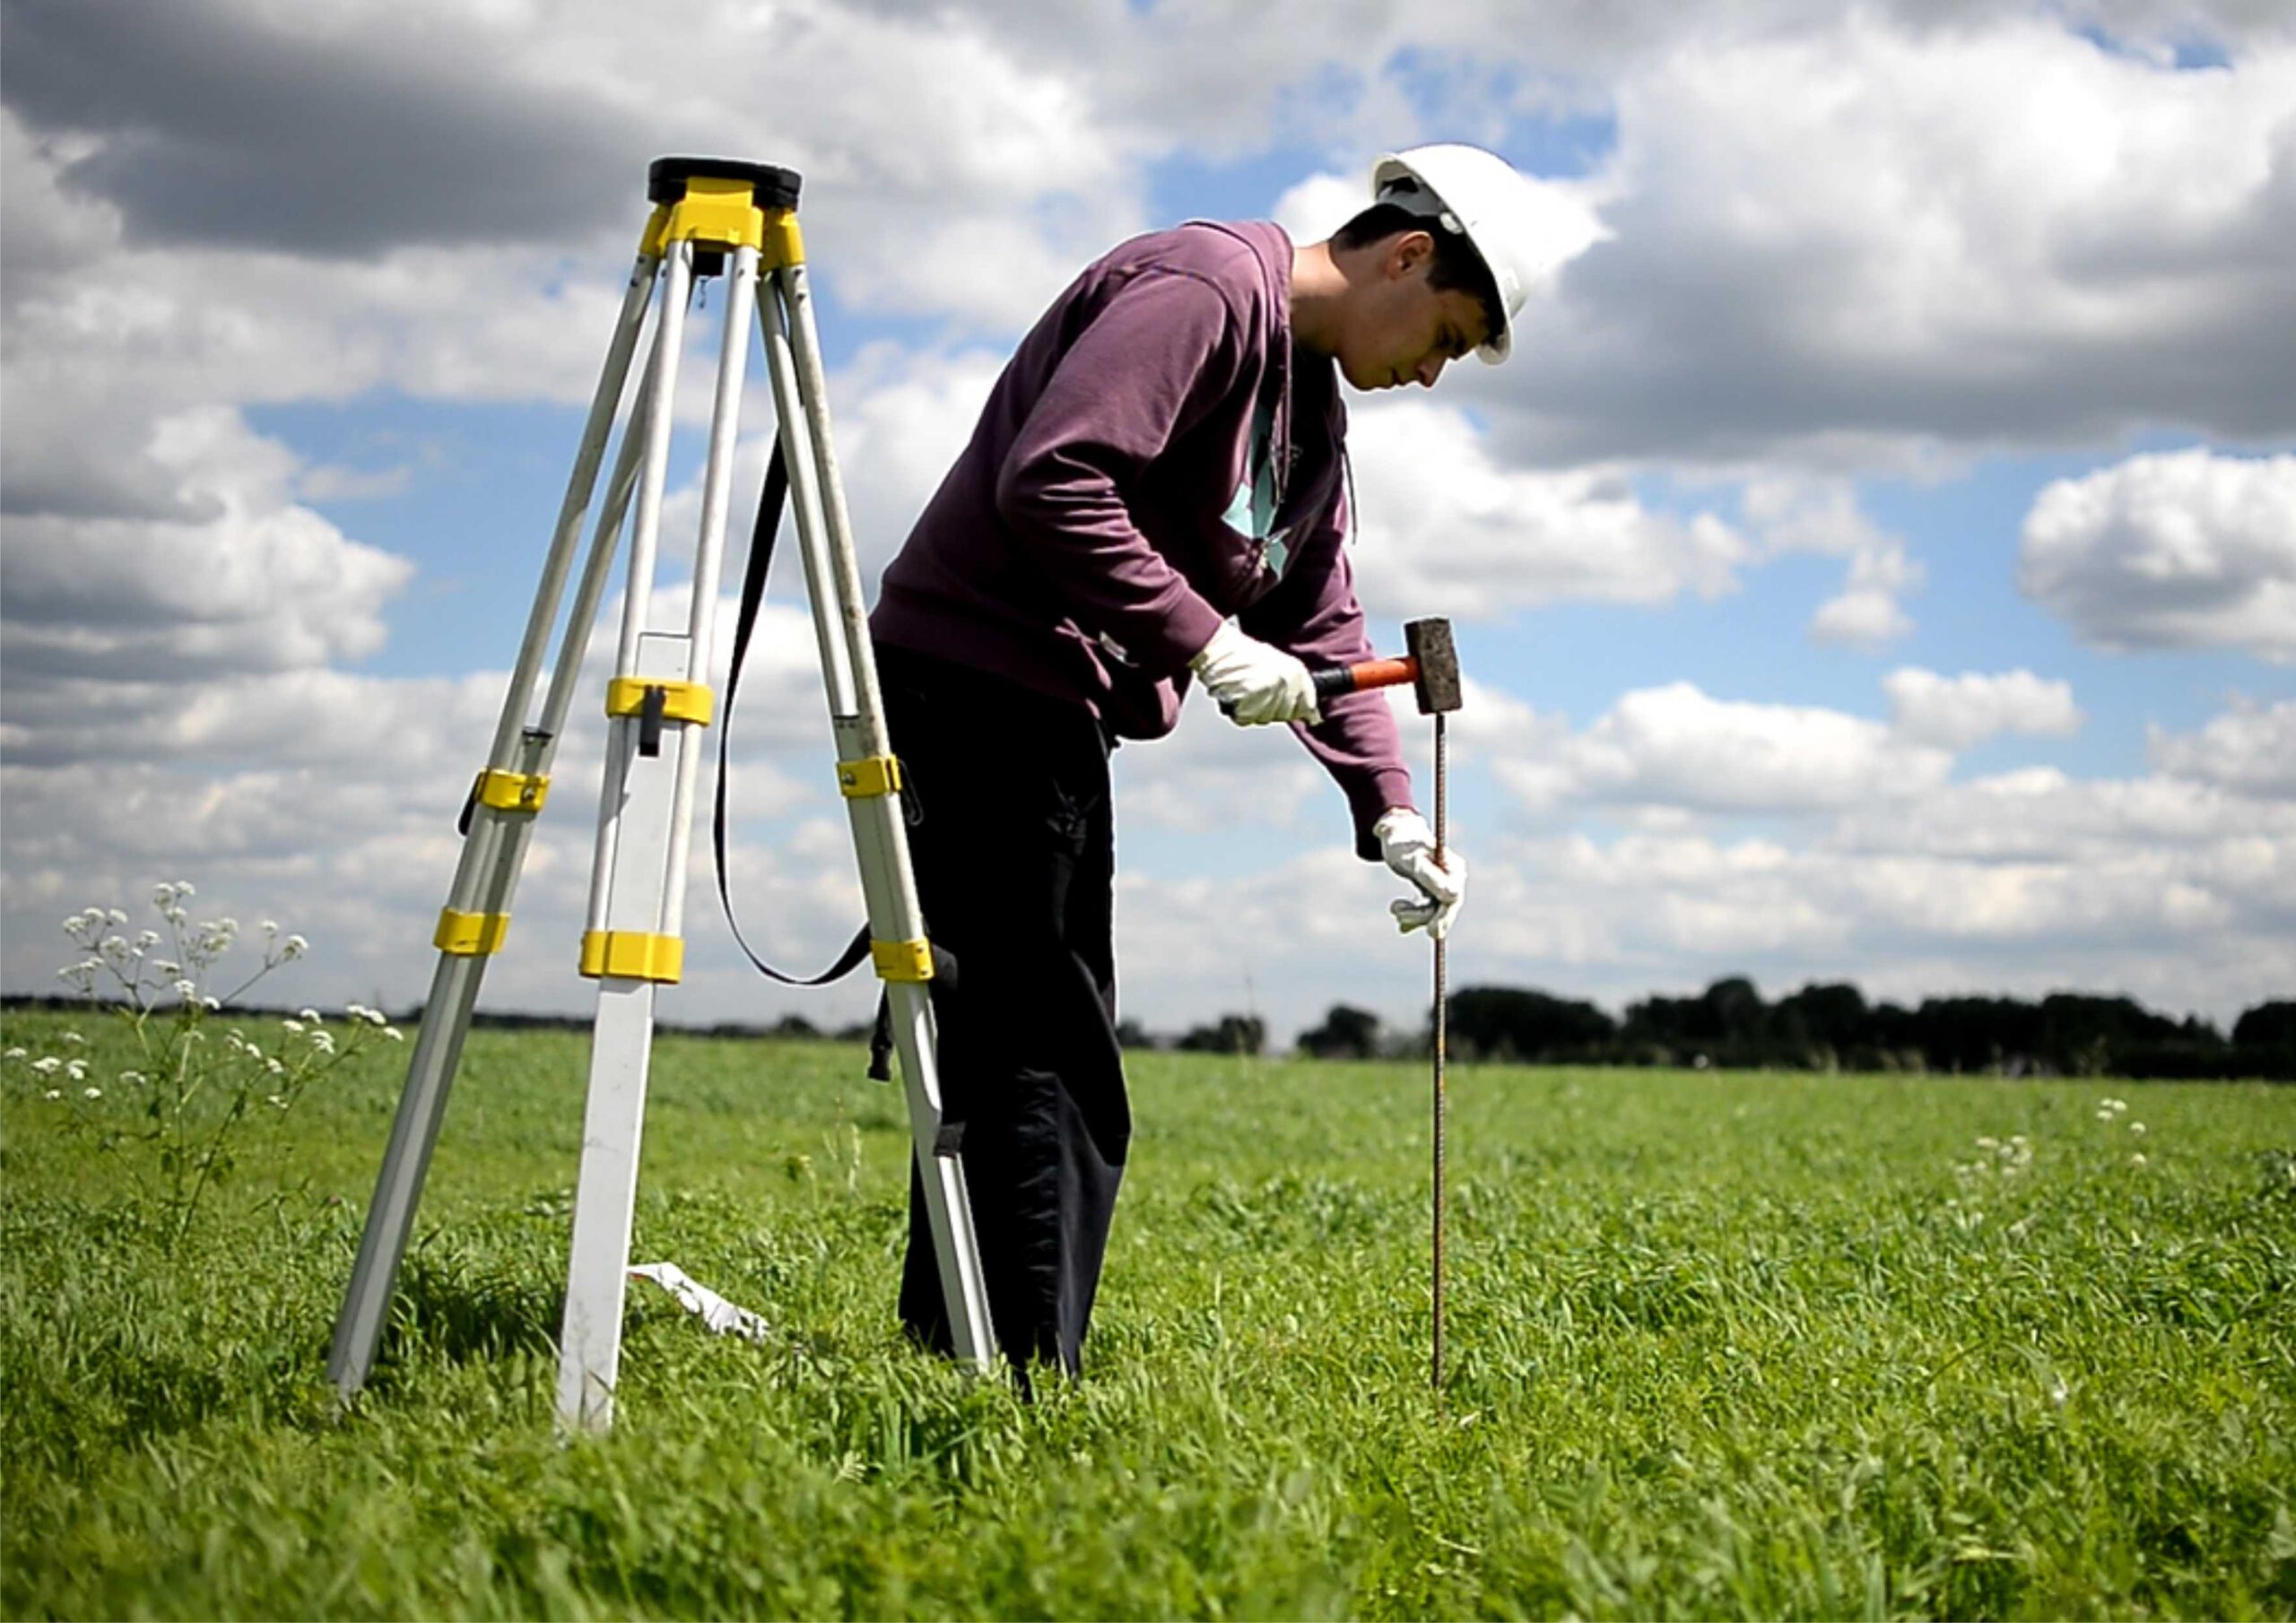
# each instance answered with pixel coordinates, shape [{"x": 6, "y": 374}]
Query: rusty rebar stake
[{"x": 1441, "y": 1033}]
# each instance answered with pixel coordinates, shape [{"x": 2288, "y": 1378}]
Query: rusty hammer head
[{"x": 1437, "y": 680}]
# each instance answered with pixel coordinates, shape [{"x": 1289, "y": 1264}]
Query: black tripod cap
[{"x": 771, "y": 187}]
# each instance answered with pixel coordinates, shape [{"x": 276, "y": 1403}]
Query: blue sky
[{"x": 1878, "y": 562}]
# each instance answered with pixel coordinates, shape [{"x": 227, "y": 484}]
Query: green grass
[{"x": 1722, "y": 1345}]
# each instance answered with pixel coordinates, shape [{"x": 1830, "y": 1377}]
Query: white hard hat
[{"x": 1479, "y": 194}]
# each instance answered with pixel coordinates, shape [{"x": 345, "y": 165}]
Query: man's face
[{"x": 1399, "y": 330}]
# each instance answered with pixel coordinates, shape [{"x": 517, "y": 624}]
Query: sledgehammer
[{"x": 1432, "y": 670}]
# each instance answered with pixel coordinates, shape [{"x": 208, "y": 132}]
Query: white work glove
[
  {"x": 1253, "y": 683},
  {"x": 1408, "y": 844}
]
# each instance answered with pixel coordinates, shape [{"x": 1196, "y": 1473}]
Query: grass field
[{"x": 1722, "y": 1345}]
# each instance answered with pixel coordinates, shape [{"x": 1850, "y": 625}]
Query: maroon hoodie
[{"x": 1156, "y": 456}]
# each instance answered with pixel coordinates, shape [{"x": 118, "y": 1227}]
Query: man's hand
[
  {"x": 1408, "y": 844},
  {"x": 1253, "y": 683}
]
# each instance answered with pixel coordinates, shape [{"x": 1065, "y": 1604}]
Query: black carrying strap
[
  {"x": 761, "y": 538},
  {"x": 762, "y": 535}
]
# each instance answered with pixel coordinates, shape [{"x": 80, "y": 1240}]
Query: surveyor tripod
[{"x": 737, "y": 221}]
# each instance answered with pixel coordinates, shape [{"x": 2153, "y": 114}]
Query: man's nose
[{"x": 1429, "y": 369}]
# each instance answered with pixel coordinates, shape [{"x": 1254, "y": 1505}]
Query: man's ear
[{"x": 1406, "y": 252}]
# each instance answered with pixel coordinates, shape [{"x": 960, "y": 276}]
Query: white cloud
[
  {"x": 1861, "y": 617},
  {"x": 1677, "y": 746},
  {"x": 1211, "y": 775},
  {"x": 1816, "y": 515},
  {"x": 2041, "y": 815},
  {"x": 252, "y": 581},
  {"x": 1836, "y": 243},
  {"x": 1959, "y": 711},
  {"x": 2186, "y": 549},
  {"x": 1444, "y": 525},
  {"x": 2250, "y": 750}
]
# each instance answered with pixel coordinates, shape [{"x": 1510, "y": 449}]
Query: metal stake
[{"x": 1442, "y": 1022}]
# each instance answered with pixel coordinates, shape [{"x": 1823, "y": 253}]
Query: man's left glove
[{"x": 1408, "y": 844}]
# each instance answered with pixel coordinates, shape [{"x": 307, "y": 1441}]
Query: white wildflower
[
  {"x": 53, "y": 1093},
  {"x": 323, "y": 1042},
  {"x": 374, "y": 1016},
  {"x": 77, "y": 1070},
  {"x": 163, "y": 896},
  {"x": 276, "y": 1099},
  {"x": 47, "y": 1064},
  {"x": 147, "y": 939},
  {"x": 186, "y": 990},
  {"x": 113, "y": 915},
  {"x": 185, "y": 890},
  {"x": 2137, "y": 1159},
  {"x": 129, "y": 1079},
  {"x": 295, "y": 946},
  {"x": 2138, "y": 1128},
  {"x": 294, "y": 1026},
  {"x": 309, "y": 1016},
  {"x": 167, "y": 965},
  {"x": 275, "y": 1067},
  {"x": 394, "y": 1034},
  {"x": 91, "y": 1093},
  {"x": 75, "y": 1039},
  {"x": 13, "y": 1053},
  {"x": 270, "y": 926},
  {"x": 211, "y": 1005}
]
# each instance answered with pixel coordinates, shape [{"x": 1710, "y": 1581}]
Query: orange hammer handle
[{"x": 1335, "y": 680}]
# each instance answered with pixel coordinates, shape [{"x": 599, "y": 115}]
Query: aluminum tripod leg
[
  {"x": 478, "y": 908},
  {"x": 856, "y": 717}
]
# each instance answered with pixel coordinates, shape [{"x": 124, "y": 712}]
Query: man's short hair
[{"x": 1457, "y": 266}]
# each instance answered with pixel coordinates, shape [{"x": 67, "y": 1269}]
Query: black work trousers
[{"x": 1015, "y": 845}]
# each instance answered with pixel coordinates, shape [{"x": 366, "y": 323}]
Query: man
[{"x": 1156, "y": 490}]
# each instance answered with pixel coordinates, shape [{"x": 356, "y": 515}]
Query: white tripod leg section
[
  {"x": 635, "y": 943},
  {"x": 605, "y": 1193},
  {"x": 879, "y": 838}
]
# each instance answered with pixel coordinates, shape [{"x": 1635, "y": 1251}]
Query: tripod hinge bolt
[
  {"x": 470, "y": 935},
  {"x": 869, "y": 778},
  {"x": 633, "y": 955}
]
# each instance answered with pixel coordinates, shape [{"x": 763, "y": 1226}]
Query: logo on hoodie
[{"x": 1252, "y": 514}]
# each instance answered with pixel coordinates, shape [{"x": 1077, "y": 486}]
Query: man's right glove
[
  {"x": 1253, "y": 683},
  {"x": 1408, "y": 844}
]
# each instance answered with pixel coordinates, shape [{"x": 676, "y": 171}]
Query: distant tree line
[
  {"x": 1823, "y": 1026},
  {"x": 1832, "y": 1027}
]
